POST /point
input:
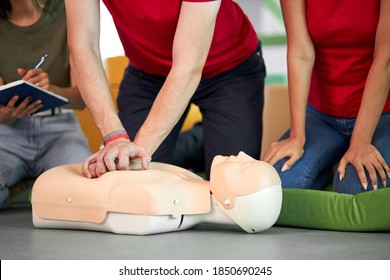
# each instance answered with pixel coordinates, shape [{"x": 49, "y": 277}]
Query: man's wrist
[{"x": 116, "y": 134}]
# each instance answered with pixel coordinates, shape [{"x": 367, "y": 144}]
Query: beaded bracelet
[{"x": 115, "y": 135}]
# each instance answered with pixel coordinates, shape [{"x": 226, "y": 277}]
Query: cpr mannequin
[{"x": 163, "y": 198}]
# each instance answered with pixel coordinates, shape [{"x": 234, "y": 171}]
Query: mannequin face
[
  {"x": 241, "y": 174},
  {"x": 235, "y": 166},
  {"x": 239, "y": 159},
  {"x": 234, "y": 170}
]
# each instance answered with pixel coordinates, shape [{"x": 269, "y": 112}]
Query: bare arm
[
  {"x": 190, "y": 49},
  {"x": 83, "y": 36},
  {"x": 83, "y": 21},
  {"x": 300, "y": 60},
  {"x": 361, "y": 153}
]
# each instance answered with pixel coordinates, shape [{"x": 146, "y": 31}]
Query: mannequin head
[
  {"x": 248, "y": 191},
  {"x": 240, "y": 175}
]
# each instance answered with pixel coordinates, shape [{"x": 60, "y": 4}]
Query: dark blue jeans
[
  {"x": 327, "y": 140},
  {"x": 231, "y": 104}
]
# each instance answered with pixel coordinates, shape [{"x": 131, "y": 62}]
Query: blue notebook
[{"x": 25, "y": 89}]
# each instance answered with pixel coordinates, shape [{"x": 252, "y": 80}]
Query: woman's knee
[
  {"x": 293, "y": 178},
  {"x": 351, "y": 184}
]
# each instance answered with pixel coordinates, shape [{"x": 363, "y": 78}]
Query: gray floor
[{"x": 21, "y": 241}]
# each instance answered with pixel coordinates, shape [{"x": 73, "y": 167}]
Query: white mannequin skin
[{"x": 163, "y": 198}]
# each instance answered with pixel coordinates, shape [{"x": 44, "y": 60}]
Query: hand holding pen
[
  {"x": 13, "y": 111},
  {"x": 36, "y": 75}
]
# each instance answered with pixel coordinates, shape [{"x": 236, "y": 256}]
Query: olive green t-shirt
[{"x": 22, "y": 47}]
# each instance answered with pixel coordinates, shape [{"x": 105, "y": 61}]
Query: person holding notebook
[{"x": 33, "y": 143}]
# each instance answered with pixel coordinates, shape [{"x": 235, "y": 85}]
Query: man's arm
[
  {"x": 191, "y": 46},
  {"x": 83, "y": 21},
  {"x": 83, "y": 35}
]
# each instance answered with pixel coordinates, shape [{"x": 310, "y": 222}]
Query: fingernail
[
  {"x": 384, "y": 183},
  {"x": 365, "y": 186},
  {"x": 375, "y": 187},
  {"x": 388, "y": 174},
  {"x": 341, "y": 178},
  {"x": 285, "y": 167}
]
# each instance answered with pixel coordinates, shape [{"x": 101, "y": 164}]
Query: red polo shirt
[{"x": 147, "y": 28}]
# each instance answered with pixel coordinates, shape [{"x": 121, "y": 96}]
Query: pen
[{"x": 40, "y": 61}]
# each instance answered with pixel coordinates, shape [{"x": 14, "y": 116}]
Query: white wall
[{"x": 110, "y": 44}]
